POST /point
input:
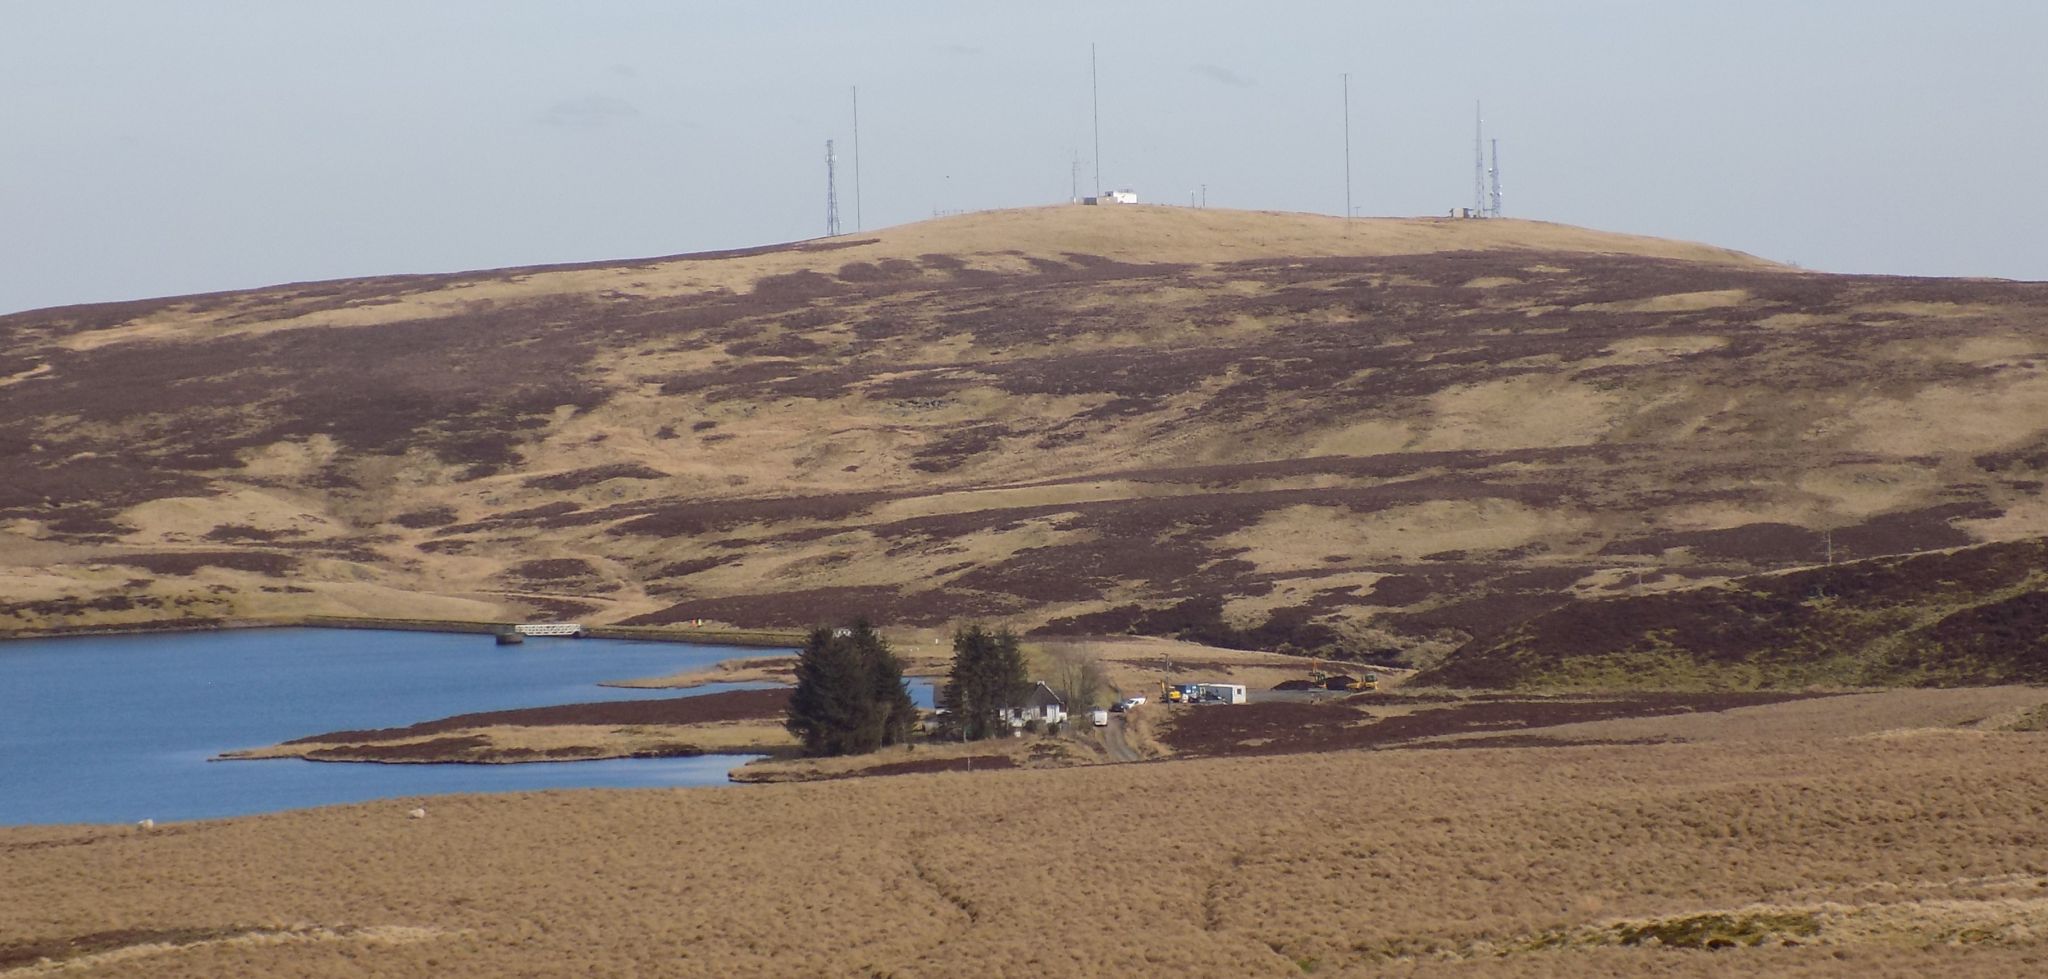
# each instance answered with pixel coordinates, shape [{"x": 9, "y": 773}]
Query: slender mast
[
  {"x": 856, "y": 158},
  {"x": 831, "y": 194},
  {"x": 1493, "y": 181},
  {"x": 1478, "y": 161},
  {"x": 1095, "y": 106},
  {"x": 1347, "y": 146}
]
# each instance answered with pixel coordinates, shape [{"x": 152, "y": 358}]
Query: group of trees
[
  {"x": 851, "y": 698},
  {"x": 988, "y": 678}
]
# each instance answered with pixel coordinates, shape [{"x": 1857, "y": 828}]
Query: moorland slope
[
  {"x": 1968, "y": 616},
  {"x": 1388, "y": 437}
]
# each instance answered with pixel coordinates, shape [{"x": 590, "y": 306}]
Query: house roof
[{"x": 1042, "y": 696}]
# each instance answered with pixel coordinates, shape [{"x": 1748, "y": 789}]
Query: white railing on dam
[{"x": 549, "y": 629}]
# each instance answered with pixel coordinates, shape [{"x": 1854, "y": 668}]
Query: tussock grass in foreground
[{"x": 1821, "y": 856}]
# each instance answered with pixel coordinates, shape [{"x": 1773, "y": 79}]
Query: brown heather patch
[
  {"x": 553, "y": 569},
  {"x": 710, "y": 708},
  {"x": 1292, "y": 727},
  {"x": 1972, "y": 616},
  {"x": 189, "y": 562},
  {"x": 592, "y": 476},
  {"x": 440, "y": 516},
  {"x": 242, "y": 532}
]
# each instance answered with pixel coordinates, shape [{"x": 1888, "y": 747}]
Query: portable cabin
[{"x": 1223, "y": 693}]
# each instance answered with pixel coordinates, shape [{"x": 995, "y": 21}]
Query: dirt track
[{"x": 1113, "y": 741}]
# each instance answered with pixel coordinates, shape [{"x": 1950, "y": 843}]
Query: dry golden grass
[
  {"x": 1078, "y": 745},
  {"x": 1836, "y": 856},
  {"x": 1135, "y": 665},
  {"x": 751, "y": 669}
]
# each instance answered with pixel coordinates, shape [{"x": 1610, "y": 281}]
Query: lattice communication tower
[
  {"x": 1493, "y": 182},
  {"x": 831, "y": 192}
]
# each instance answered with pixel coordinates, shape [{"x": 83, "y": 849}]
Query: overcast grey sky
[{"x": 163, "y": 147}]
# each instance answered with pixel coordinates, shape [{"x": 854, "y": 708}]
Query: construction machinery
[
  {"x": 1347, "y": 682},
  {"x": 1327, "y": 680},
  {"x": 1179, "y": 693}
]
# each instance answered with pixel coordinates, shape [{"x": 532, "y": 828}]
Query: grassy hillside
[
  {"x": 1977, "y": 615},
  {"x": 1387, "y": 437}
]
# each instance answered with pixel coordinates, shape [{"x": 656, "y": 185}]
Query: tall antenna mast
[
  {"x": 1095, "y": 106},
  {"x": 831, "y": 193},
  {"x": 856, "y": 158},
  {"x": 1347, "y": 146},
  {"x": 1478, "y": 162},
  {"x": 1493, "y": 180}
]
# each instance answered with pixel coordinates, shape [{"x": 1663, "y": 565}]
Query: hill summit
[{"x": 1375, "y": 436}]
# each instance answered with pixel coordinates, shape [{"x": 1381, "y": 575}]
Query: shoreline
[
  {"x": 755, "y": 638},
  {"x": 733, "y": 722}
]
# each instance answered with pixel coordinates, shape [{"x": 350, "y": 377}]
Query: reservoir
[{"x": 118, "y": 729}]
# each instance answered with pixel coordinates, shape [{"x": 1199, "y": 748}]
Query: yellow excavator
[
  {"x": 1340, "y": 681},
  {"x": 1183, "y": 693}
]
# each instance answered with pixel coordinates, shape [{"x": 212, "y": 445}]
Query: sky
[{"x": 152, "y": 148}]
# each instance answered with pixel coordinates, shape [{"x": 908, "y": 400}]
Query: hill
[
  {"x": 1383, "y": 437},
  {"x": 1969, "y": 616}
]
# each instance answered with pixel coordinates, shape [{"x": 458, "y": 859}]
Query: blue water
[{"x": 121, "y": 728}]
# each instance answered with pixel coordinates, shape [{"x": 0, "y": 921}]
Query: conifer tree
[
  {"x": 895, "y": 713},
  {"x": 850, "y": 696},
  {"x": 988, "y": 677}
]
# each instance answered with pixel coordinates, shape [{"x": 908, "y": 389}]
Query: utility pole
[{"x": 831, "y": 193}]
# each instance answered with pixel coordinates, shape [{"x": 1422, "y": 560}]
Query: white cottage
[{"x": 1041, "y": 705}]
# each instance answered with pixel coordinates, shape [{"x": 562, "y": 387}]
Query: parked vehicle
[{"x": 1101, "y": 717}]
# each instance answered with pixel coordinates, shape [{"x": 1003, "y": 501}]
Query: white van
[{"x": 1101, "y": 717}]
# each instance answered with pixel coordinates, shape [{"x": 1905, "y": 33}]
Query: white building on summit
[{"x": 1113, "y": 197}]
